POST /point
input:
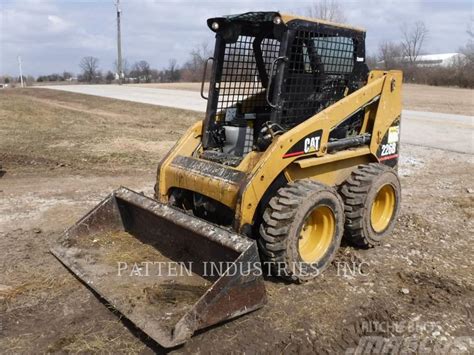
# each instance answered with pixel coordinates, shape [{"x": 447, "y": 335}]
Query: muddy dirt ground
[{"x": 418, "y": 284}]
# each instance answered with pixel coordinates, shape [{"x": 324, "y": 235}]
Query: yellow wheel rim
[
  {"x": 382, "y": 209},
  {"x": 317, "y": 234}
]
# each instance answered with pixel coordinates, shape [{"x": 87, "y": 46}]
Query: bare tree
[
  {"x": 109, "y": 77},
  {"x": 413, "y": 39},
  {"x": 465, "y": 64},
  {"x": 155, "y": 75},
  {"x": 390, "y": 54},
  {"x": 89, "y": 66},
  {"x": 172, "y": 73},
  {"x": 470, "y": 29},
  {"x": 142, "y": 71},
  {"x": 173, "y": 63},
  {"x": 468, "y": 50},
  {"x": 67, "y": 75},
  {"x": 193, "y": 69},
  {"x": 329, "y": 10},
  {"x": 371, "y": 61}
]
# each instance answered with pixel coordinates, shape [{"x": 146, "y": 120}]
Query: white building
[{"x": 432, "y": 60}]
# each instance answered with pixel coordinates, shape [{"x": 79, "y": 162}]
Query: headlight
[
  {"x": 215, "y": 26},
  {"x": 277, "y": 20}
]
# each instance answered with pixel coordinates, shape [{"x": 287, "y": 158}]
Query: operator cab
[{"x": 273, "y": 71}]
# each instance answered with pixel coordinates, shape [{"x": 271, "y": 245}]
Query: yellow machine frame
[{"x": 257, "y": 171}]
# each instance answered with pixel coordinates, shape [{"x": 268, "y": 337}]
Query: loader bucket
[{"x": 168, "y": 272}]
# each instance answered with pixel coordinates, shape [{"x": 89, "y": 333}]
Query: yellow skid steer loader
[{"x": 298, "y": 148}]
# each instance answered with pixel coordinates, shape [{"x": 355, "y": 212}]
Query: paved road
[
  {"x": 438, "y": 130},
  {"x": 184, "y": 99},
  {"x": 429, "y": 129}
]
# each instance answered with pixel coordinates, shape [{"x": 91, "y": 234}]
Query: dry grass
[
  {"x": 93, "y": 341},
  {"x": 119, "y": 246},
  {"x": 465, "y": 203},
  {"x": 100, "y": 339},
  {"x": 50, "y": 128},
  {"x": 103, "y": 339},
  {"x": 438, "y": 99},
  {"x": 18, "y": 344},
  {"x": 36, "y": 283}
]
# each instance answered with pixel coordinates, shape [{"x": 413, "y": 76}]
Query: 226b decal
[{"x": 388, "y": 149}]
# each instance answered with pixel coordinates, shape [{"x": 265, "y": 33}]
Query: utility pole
[
  {"x": 119, "y": 44},
  {"x": 21, "y": 71}
]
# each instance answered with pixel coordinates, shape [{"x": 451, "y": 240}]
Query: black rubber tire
[
  {"x": 358, "y": 192},
  {"x": 281, "y": 224}
]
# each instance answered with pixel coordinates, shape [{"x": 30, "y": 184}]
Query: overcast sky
[{"x": 53, "y": 36}]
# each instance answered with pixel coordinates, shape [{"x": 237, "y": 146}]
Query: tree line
[
  {"x": 139, "y": 72},
  {"x": 405, "y": 55}
]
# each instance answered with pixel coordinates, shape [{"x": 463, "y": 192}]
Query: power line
[
  {"x": 21, "y": 71},
  {"x": 119, "y": 44}
]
